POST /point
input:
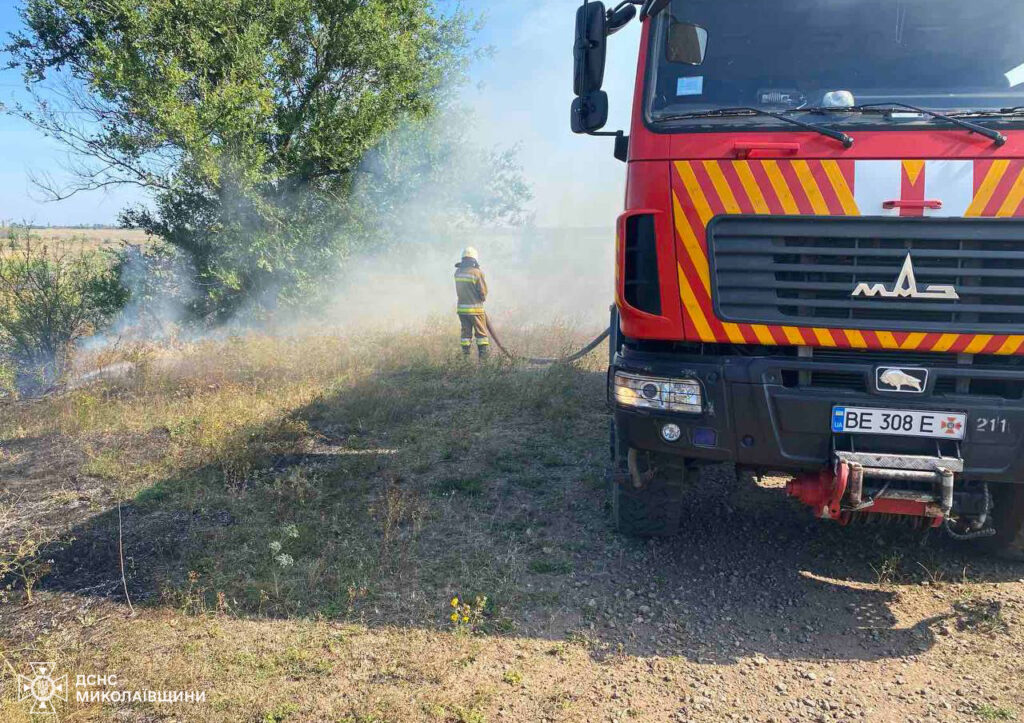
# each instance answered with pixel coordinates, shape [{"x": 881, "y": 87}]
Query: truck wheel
[
  {"x": 653, "y": 510},
  {"x": 1008, "y": 519}
]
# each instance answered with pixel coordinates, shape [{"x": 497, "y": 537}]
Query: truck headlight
[{"x": 669, "y": 395}]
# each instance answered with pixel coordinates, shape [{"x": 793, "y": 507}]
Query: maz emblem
[{"x": 906, "y": 287}]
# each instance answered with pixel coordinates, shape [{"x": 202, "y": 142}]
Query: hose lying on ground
[{"x": 534, "y": 360}]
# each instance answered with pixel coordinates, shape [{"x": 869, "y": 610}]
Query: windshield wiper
[
  {"x": 996, "y": 137},
  {"x": 989, "y": 113},
  {"x": 741, "y": 111}
]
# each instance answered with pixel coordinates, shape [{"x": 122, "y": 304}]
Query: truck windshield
[{"x": 785, "y": 55}]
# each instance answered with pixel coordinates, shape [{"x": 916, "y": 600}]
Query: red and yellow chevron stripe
[
  {"x": 998, "y": 189},
  {"x": 702, "y": 190}
]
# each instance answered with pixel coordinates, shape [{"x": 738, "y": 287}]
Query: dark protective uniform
[{"x": 471, "y": 288}]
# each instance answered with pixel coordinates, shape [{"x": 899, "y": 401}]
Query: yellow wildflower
[
  {"x": 455, "y": 602},
  {"x": 465, "y": 618}
]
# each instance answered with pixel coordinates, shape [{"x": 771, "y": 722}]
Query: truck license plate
[{"x": 907, "y": 423}]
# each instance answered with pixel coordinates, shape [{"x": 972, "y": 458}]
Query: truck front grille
[
  {"x": 955, "y": 375},
  {"x": 803, "y": 272}
]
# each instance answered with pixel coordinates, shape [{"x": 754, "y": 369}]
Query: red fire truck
[{"x": 820, "y": 269}]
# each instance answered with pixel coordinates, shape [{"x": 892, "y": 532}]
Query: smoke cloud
[
  {"x": 160, "y": 283},
  {"x": 559, "y": 266},
  {"x": 535, "y": 276}
]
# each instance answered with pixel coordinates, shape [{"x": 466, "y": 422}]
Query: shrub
[{"x": 50, "y": 297}]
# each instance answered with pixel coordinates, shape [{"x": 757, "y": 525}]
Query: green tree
[{"x": 247, "y": 119}]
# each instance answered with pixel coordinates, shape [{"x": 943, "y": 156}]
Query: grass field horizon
[{"x": 78, "y": 238}]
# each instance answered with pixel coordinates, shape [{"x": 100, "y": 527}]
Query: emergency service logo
[
  {"x": 42, "y": 688},
  {"x": 951, "y": 426}
]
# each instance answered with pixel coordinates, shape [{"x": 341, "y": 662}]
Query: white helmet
[{"x": 470, "y": 253}]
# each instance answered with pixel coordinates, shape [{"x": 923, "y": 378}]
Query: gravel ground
[{"x": 759, "y": 612}]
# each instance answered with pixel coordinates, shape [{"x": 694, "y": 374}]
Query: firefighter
[{"x": 471, "y": 289}]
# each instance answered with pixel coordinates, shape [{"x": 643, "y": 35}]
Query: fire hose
[{"x": 535, "y": 360}]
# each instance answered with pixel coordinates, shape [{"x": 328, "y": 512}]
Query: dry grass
[
  {"x": 83, "y": 239},
  {"x": 321, "y": 477},
  {"x": 300, "y": 511}
]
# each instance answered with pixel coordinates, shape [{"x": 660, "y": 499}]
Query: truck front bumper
[{"x": 775, "y": 413}]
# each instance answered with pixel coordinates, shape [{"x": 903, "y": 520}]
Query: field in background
[
  {"x": 84, "y": 238},
  {"x": 300, "y": 511}
]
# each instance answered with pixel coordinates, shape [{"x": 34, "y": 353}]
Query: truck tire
[
  {"x": 653, "y": 510},
  {"x": 1008, "y": 520}
]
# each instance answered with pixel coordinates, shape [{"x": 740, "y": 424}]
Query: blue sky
[{"x": 520, "y": 96}]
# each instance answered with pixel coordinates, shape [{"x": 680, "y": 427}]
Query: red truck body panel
[{"x": 687, "y": 179}]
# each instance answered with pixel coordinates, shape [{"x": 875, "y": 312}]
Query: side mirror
[
  {"x": 590, "y": 49},
  {"x": 621, "y": 147},
  {"x": 618, "y": 19},
  {"x": 686, "y": 43},
  {"x": 589, "y": 112}
]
